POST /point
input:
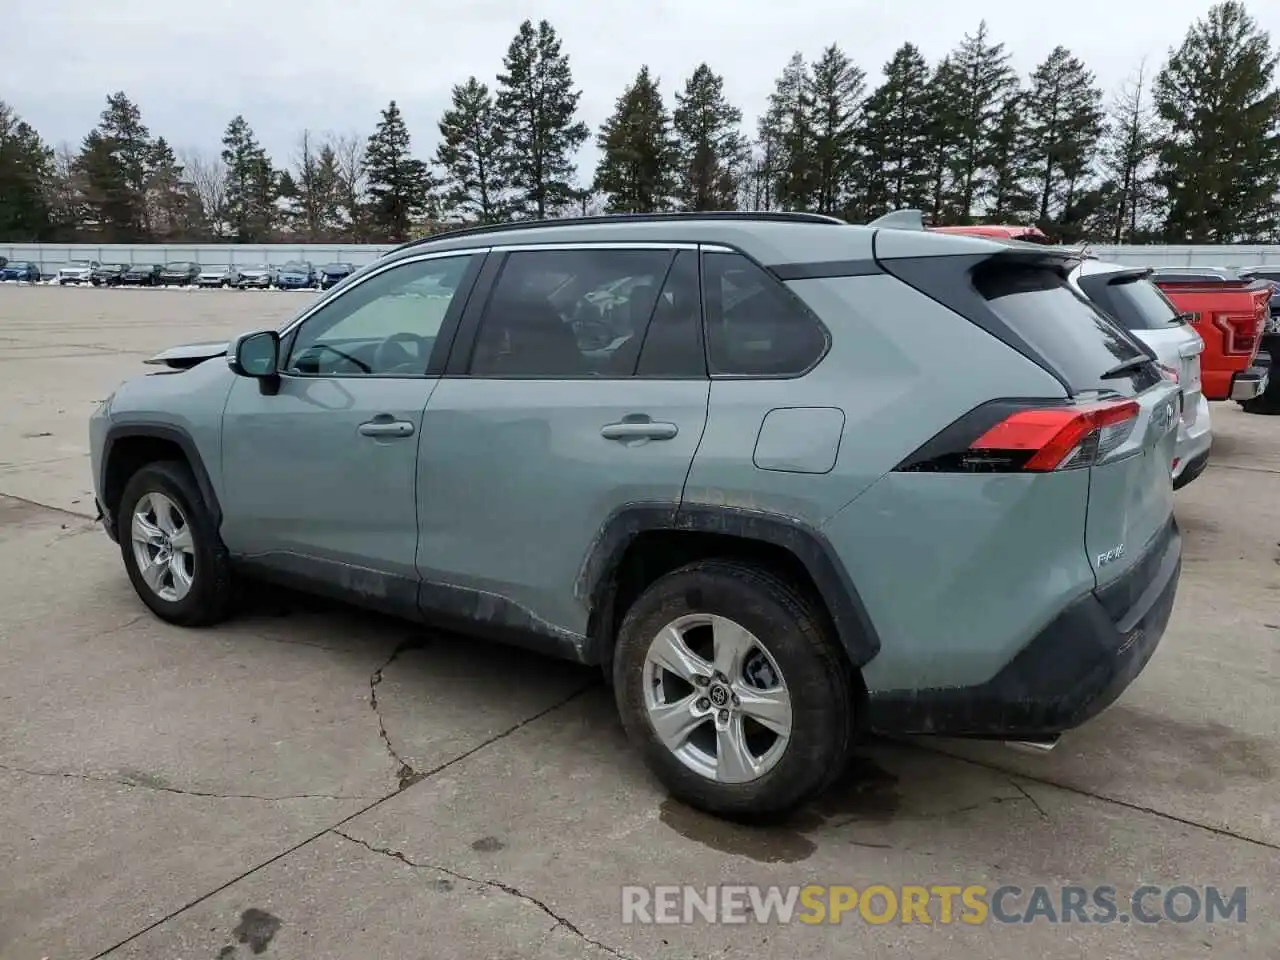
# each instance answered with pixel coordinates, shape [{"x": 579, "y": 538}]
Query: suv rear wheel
[
  {"x": 731, "y": 685},
  {"x": 171, "y": 548}
]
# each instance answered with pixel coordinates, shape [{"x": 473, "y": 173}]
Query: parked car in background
[
  {"x": 296, "y": 275},
  {"x": 223, "y": 275},
  {"x": 25, "y": 271},
  {"x": 142, "y": 275},
  {"x": 260, "y": 276},
  {"x": 331, "y": 274},
  {"x": 179, "y": 273},
  {"x": 1229, "y": 313},
  {"x": 77, "y": 272},
  {"x": 108, "y": 274},
  {"x": 3, "y": 262},
  {"x": 767, "y": 548},
  {"x": 1269, "y": 347},
  {"x": 1127, "y": 295},
  {"x": 998, "y": 232}
]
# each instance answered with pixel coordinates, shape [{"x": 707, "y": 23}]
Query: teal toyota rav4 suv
[{"x": 785, "y": 479}]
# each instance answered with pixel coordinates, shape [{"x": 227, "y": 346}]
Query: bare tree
[
  {"x": 1128, "y": 158},
  {"x": 348, "y": 149},
  {"x": 208, "y": 177}
]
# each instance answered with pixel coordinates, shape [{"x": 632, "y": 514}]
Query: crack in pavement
[
  {"x": 405, "y": 774},
  {"x": 1102, "y": 798},
  {"x": 1032, "y": 800},
  {"x": 163, "y": 788},
  {"x": 560, "y": 919},
  {"x": 439, "y": 768}
]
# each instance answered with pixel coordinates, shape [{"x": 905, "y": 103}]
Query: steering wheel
[{"x": 392, "y": 355}]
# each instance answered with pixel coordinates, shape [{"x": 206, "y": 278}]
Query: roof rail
[
  {"x": 900, "y": 220},
  {"x": 775, "y": 216}
]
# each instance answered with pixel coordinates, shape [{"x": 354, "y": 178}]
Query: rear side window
[
  {"x": 1134, "y": 301},
  {"x": 755, "y": 326},
  {"x": 569, "y": 313},
  {"x": 1087, "y": 348}
]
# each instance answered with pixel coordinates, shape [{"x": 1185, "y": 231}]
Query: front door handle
[
  {"x": 645, "y": 429},
  {"x": 384, "y": 425}
]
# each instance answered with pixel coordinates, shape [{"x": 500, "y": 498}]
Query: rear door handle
[
  {"x": 639, "y": 430},
  {"x": 384, "y": 425}
]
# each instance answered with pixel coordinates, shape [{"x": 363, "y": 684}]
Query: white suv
[{"x": 1125, "y": 294}]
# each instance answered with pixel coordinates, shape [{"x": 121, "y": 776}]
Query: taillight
[
  {"x": 1013, "y": 437},
  {"x": 1240, "y": 332}
]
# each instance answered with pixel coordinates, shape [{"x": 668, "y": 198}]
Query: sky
[{"x": 331, "y": 66}]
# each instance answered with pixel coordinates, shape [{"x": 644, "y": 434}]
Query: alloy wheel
[
  {"x": 716, "y": 698},
  {"x": 163, "y": 547}
]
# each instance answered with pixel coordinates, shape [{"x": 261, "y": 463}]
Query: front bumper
[
  {"x": 1248, "y": 384},
  {"x": 263, "y": 282},
  {"x": 1069, "y": 673},
  {"x": 294, "y": 283}
]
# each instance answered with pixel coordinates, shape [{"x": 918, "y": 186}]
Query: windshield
[
  {"x": 334, "y": 267},
  {"x": 1136, "y": 302},
  {"x": 179, "y": 265},
  {"x": 19, "y": 265},
  {"x": 113, "y": 266},
  {"x": 256, "y": 268},
  {"x": 295, "y": 267}
]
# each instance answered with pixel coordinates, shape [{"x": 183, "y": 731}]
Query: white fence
[{"x": 52, "y": 256}]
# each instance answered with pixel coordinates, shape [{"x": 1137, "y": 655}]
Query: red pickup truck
[{"x": 1229, "y": 315}]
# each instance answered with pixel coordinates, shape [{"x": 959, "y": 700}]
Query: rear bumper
[
  {"x": 1188, "y": 470},
  {"x": 1073, "y": 670},
  {"x": 1250, "y": 383}
]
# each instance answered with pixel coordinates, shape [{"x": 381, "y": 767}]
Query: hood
[
  {"x": 76, "y": 269},
  {"x": 213, "y": 273},
  {"x": 188, "y": 355},
  {"x": 254, "y": 273}
]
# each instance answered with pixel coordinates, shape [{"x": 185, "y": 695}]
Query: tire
[
  {"x": 800, "y": 646},
  {"x": 208, "y": 599}
]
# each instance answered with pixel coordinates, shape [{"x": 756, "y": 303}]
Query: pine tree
[
  {"x": 173, "y": 207},
  {"x": 26, "y": 180},
  {"x": 115, "y": 164},
  {"x": 972, "y": 94},
  {"x": 787, "y": 139},
  {"x": 1219, "y": 157},
  {"x": 894, "y": 168},
  {"x": 536, "y": 107},
  {"x": 1128, "y": 153},
  {"x": 945, "y": 138},
  {"x": 311, "y": 192},
  {"x": 637, "y": 165},
  {"x": 836, "y": 88},
  {"x": 251, "y": 184},
  {"x": 470, "y": 150},
  {"x": 1009, "y": 199},
  {"x": 709, "y": 142},
  {"x": 399, "y": 183},
  {"x": 1064, "y": 117}
]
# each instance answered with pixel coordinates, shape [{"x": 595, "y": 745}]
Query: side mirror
[{"x": 255, "y": 355}]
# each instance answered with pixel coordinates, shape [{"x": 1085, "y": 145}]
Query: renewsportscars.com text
[{"x": 971, "y": 904}]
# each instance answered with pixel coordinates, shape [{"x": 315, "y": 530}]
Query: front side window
[
  {"x": 569, "y": 313},
  {"x": 755, "y": 326},
  {"x": 385, "y": 326}
]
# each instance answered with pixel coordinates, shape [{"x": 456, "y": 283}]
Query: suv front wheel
[
  {"x": 172, "y": 551},
  {"x": 730, "y": 683}
]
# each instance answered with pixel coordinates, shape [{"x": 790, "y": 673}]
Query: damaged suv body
[{"x": 707, "y": 453}]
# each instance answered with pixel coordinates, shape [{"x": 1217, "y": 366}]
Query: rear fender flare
[{"x": 848, "y": 613}]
